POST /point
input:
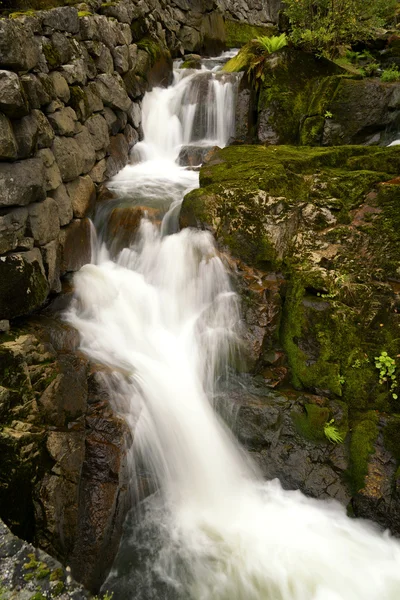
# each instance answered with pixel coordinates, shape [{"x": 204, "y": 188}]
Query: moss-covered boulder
[
  {"x": 302, "y": 99},
  {"x": 238, "y": 33},
  {"x": 314, "y": 235}
]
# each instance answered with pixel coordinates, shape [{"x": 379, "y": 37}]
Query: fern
[
  {"x": 273, "y": 43},
  {"x": 332, "y": 433}
]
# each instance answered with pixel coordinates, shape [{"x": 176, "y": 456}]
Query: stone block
[
  {"x": 82, "y": 192},
  {"x": 8, "y": 143},
  {"x": 23, "y": 284},
  {"x": 13, "y": 100},
  {"x": 18, "y": 47},
  {"x": 112, "y": 91},
  {"x": 43, "y": 221},
  {"x": 75, "y": 242},
  {"x": 12, "y": 229},
  {"x": 64, "y": 204},
  {"x": 22, "y": 182}
]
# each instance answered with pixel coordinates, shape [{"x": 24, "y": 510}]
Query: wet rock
[
  {"x": 22, "y": 182},
  {"x": 135, "y": 115},
  {"x": 13, "y": 101},
  {"x": 51, "y": 262},
  {"x": 192, "y": 156},
  {"x": 119, "y": 152},
  {"x": 23, "y": 287},
  {"x": 76, "y": 245}
]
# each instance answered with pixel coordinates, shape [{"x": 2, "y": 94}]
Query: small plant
[
  {"x": 391, "y": 74},
  {"x": 387, "y": 368},
  {"x": 341, "y": 379},
  {"x": 359, "y": 362},
  {"x": 273, "y": 43},
  {"x": 328, "y": 114},
  {"x": 332, "y": 433}
]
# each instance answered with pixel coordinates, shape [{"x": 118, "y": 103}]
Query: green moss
[
  {"x": 239, "y": 33},
  {"x": 152, "y": 47},
  {"x": 84, "y": 13},
  {"x": 311, "y": 424},
  {"x": 391, "y": 436},
  {"x": 51, "y": 55},
  {"x": 363, "y": 437},
  {"x": 57, "y": 574},
  {"x": 58, "y": 588},
  {"x": 42, "y": 572}
]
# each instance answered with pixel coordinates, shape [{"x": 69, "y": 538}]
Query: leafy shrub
[
  {"x": 273, "y": 43},
  {"x": 391, "y": 74},
  {"x": 324, "y": 26}
]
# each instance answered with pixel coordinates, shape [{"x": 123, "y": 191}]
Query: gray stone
[
  {"x": 98, "y": 129},
  {"x": 135, "y": 114},
  {"x": 62, "y": 47},
  {"x": 52, "y": 171},
  {"x": 190, "y": 38},
  {"x": 99, "y": 28},
  {"x": 45, "y": 131},
  {"x": 4, "y": 326},
  {"x": 85, "y": 143},
  {"x": 98, "y": 173},
  {"x": 119, "y": 152},
  {"x": 22, "y": 182},
  {"x": 69, "y": 157},
  {"x": 124, "y": 34},
  {"x": 82, "y": 192},
  {"x": 64, "y": 18},
  {"x": 18, "y": 48},
  {"x": 12, "y": 229},
  {"x": 23, "y": 284},
  {"x": 76, "y": 245},
  {"x": 121, "y": 59},
  {"x": 143, "y": 62},
  {"x": 75, "y": 72},
  {"x": 94, "y": 102},
  {"x": 32, "y": 132},
  {"x": 122, "y": 118},
  {"x": 13, "y": 101},
  {"x": 133, "y": 54},
  {"x": 64, "y": 205},
  {"x": 51, "y": 256},
  {"x": 43, "y": 221},
  {"x": 63, "y": 121},
  {"x": 8, "y": 144},
  {"x": 60, "y": 86},
  {"x": 122, "y": 11},
  {"x": 112, "y": 91},
  {"x": 53, "y": 106},
  {"x": 135, "y": 85},
  {"x": 112, "y": 120},
  {"x": 102, "y": 56},
  {"x": 35, "y": 89},
  {"x": 131, "y": 135}
]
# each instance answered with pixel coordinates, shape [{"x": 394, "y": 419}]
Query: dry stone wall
[{"x": 71, "y": 84}]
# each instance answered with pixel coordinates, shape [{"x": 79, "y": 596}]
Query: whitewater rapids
[{"x": 163, "y": 316}]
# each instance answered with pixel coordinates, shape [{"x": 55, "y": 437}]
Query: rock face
[
  {"x": 28, "y": 571},
  {"x": 64, "y": 474},
  {"x": 309, "y": 101},
  {"x": 315, "y": 241}
]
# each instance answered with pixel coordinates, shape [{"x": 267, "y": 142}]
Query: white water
[{"x": 164, "y": 317}]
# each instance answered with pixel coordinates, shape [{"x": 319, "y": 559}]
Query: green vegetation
[
  {"x": 387, "y": 368},
  {"x": 332, "y": 433},
  {"x": 252, "y": 57},
  {"x": 391, "y": 74},
  {"x": 326, "y": 27},
  {"x": 364, "y": 435},
  {"x": 239, "y": 33}
]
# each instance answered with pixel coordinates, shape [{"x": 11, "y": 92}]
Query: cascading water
[{"x": 162, "y": 314}]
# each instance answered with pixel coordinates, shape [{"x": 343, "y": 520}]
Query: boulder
[
  {"x": 39, "y": 90},
  {"x": 23, "y": 286},
  {"x": 51, "y": 262},
  {"x": 32, "y": 132},
  {"x": 69, "y": 157},
  {"x": 22, "y": 182},
  {"x": 64, "y": 121},
  {"x": 64, "y": 18},
  {"x": 121, "y": 59},
  {"x": 52, "y": 172},
  {"x": 13, "y": 101},
  {"x": 60, "y": 86},
  {"x": 119, "y": 152}
]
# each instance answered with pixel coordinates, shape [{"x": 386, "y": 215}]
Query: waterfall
[{"x": 162, "y": 315}]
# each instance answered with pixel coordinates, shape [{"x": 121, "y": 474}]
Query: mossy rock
[
  {"x": 324, "y": 219},
  {"x": 238, "y": 33},
  {"x": 364, "y": 434}
]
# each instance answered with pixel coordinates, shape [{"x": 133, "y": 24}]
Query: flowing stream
[{"x": 160, "y": 312}]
